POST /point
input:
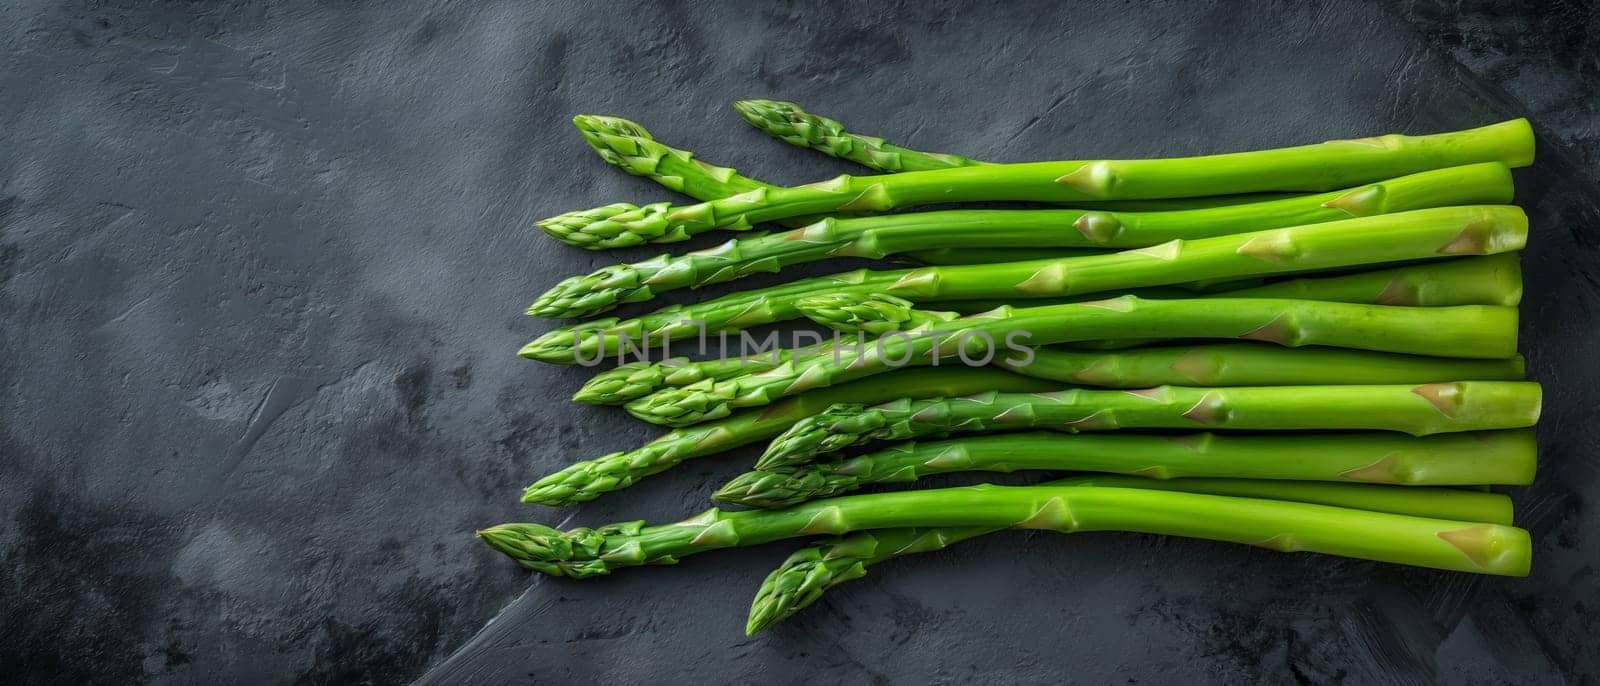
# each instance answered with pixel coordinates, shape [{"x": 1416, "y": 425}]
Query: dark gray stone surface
[{"x": 261, "y": 273}]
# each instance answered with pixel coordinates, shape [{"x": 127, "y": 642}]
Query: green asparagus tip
[
  {"x": 635, "y": 380},
  {"x": 593, "y": 293},
  {"x": 534, "y": 350},
  {"x": 800, "y": 581},
  {"x": 573, "y": 553},
  {"x": 622, "y": 143},
  {"x": 872, "y": 313},
  {"x": 529, "y": 497},
  {"x": 563, "y": 345},
  {"x": 788, "y": 121},
  {"x": 813, "y": 436},
  {"x": 784, "y": 591},
  {"x": 757, "y": 109},
  {"x": 582, "y": 481},
  {"x": 606, "y": 388},
  {"x": 618, "y": 225},
  {"x": 551, "y": 490},
  {"x": 772, "y": 489},
  {"x": 592, "y": 126},
  {"x": 698, "y": 402}
]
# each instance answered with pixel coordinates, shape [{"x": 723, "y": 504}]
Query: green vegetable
[
  {"x": 873, "y": 314},
  {"x": 1319, "y": 167},
  {"x": 1487, "y": 280},
  {"x": 1470, "y": 331},
  {"x": 1420, "y": 234},
  {"x": 875, "y": 237},
  {"x": 790, "y": 124},
  {"x": 589, "y": 479},
  {"x": 1416, "y": 410},
  {"x": 1225, "y": 364},
  {"x": 1278, "y": 525},
  {"x": 1502, "y": 457},
  {"x": 628, "y": 146},
  {"x": 809, "y": 572},
  {"x": 1492, "y": 280}
]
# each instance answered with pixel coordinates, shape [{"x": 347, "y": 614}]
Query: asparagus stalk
[
  {"x": 1416, "y": 410},
  {"x": 1487, "y": 280},
  {"x": 1241, "y": 364},
  {"x": 809, "y": 572},
  {"x": 1276, "y": 525},
  {"x": 1470, "y": 331},
  {"x": 1457, "y": 504},
  {"x": 959, "y": 256},
  {"x": 1321, "y": 167},
  {"x": 1235, "y": 364},
  {"x": 1492, "y": 280},
  {"x": 789, "y": 123},
  {"x": 1503, "y": 457},
  {"x": 1420, "y": 234},
  {"x": 1252, "y": 364},
  {"x": 875, "y": 237},
  {"x": 589, "y": 479},
  {"x": 629, "y": 146},
  {"x": 1188, "y": 365}
]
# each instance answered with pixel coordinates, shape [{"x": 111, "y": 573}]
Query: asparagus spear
[
  {"x": 879, "y": 236},
  {"x": 1505, "y": 457},
  {"x": 589, "y": 479},
  {"x": 628, "y": 145},
  {"x": 789, "y": 123},
  {"x": 809, "y": 572},
  {"x": 1236, "y": 364},
  {"x": 1470, "y": 331},
  {"x": 1276, "y": 525},
  {"x": 1420, "y": 234},
  {"x": 1319, "y": 167},
  {"x": 869, "y": 315},
  {"x": 1492, "y": 280},
  {"x": 1487, "y": 280},
  {"x": 1419, "y": 411}
]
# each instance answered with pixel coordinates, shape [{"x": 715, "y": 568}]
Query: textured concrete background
[{"x": 261, "y": 273}]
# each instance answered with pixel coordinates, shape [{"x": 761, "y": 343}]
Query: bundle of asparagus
[{"x": 1357, "y": 299}]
